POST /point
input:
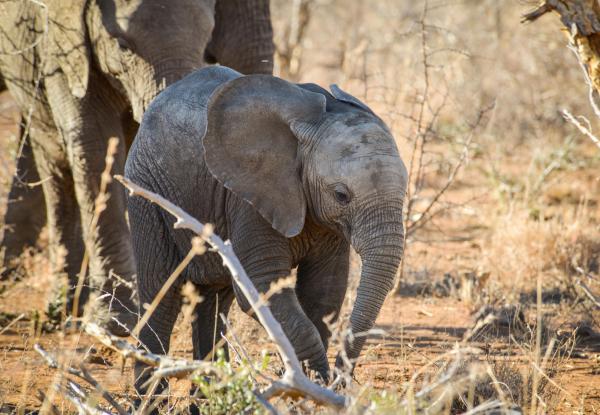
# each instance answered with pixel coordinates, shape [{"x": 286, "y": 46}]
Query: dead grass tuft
[{"x": 520, "y": 247}]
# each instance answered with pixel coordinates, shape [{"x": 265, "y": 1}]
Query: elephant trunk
[
  {"x": 243, "y": 37},
  {"x": 172, "y": 70},
  {"x": 378, "y": 239},
  {"x": 154, "y": 78}
]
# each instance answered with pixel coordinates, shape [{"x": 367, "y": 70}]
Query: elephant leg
[
  {"x": 25, "y": 212},
  {"x": 87, "y": 125},
  {"x": 109, "y": 246},
  {"x": 266, "y": 262},
  {"x": 156, "y": 333},
  {"x": 157, "y": 258},
  {"x": 208, "y": 326},
  {"x": 242, "y": 38},
  {"x": 322, "y": 283},
  {"x": 62, "y": 211}
]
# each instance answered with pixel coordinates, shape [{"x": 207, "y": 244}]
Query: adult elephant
[{"x": 84, "y": 71}]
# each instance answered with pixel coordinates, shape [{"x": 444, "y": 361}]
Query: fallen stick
[
  {"x": 81, "y": 373},
  {"x": 294, "y": 382},
  {"x": 588, "y": 293}
]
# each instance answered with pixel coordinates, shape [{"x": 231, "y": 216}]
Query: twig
[
  {"x": 592, "y": 92},
  {"x": 585, "y": 274},
  {"x": 9, "y": 325},
  {"x": 584, "y": 130},
  {"x": 81, "y": 405},
  {"x": 43, "y": 398},
  {"x": 293, "y": 382},
  {"x": 81, "y": 373},
  {"x": 539, "y": 11},
  {"x": 243, "y": 351},
  {"x": 424, "y": 216},
  {"x": 589, "y": 293}
]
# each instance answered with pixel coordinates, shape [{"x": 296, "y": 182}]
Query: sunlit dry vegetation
[{"x": 497, "y": 305}]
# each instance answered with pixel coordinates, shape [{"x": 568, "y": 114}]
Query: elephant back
[{"x": 169, "y": 137}]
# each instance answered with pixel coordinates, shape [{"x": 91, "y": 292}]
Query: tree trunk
[{"x": 582, "y": 21}]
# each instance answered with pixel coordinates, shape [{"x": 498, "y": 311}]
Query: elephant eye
[{"x": 342, "y": 194}]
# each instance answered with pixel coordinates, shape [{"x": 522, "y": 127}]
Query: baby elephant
[{"x": 293, "y": 176}]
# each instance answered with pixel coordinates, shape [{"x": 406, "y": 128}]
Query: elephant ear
[
  {"x": 249, "y": 145},
  {"x": 67, "y": 45},
  {"x": 349, "y": 99}
]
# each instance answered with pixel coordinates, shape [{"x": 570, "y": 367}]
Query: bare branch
[
  {"x": 538, "y": 12},
  {"x": 413, "y": 226},
  {"x": 80, "y": 404},
  {"x": 584, "y": 130},
  {"x": 9, "y": 325},
  {"x": 588, "y": 293}
]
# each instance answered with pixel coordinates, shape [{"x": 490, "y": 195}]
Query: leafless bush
[{"x": 567, "y": 253}]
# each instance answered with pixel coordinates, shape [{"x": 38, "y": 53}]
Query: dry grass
[{"x": 520, "y": 247}]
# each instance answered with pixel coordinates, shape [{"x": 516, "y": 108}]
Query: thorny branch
[
  {"x": 426, "y": 120},
  {"x": 294, "y": 382},
  {"x": 427, "y": 213}
]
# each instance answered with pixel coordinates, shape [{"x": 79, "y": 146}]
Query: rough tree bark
[{"x": 582, "y": 22}]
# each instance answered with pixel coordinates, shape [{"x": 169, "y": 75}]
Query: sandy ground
[{"x": 415, "y": 332}]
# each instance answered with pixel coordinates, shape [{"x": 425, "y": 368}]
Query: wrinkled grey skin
[
  {"x": 98, "y": 67},
  {"x": 292, "y": 176}
]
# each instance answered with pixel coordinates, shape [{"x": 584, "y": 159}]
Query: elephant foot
[
  {"x": 344, "y": 372},
  {"x": 317, "y": 371}
]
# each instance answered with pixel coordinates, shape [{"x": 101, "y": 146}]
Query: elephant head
[
  {"x": 292, "y": 151},
  {"x": 140, "y": 45}
]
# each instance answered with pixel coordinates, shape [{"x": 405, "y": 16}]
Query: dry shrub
[
  {"x": 507, "y": 382},
  {"x": 520, "y": 247}
]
